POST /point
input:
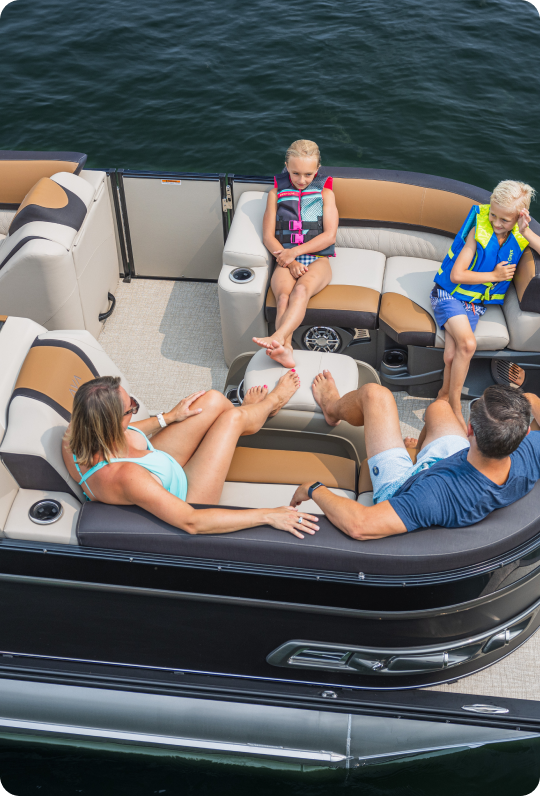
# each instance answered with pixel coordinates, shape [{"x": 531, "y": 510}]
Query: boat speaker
[
  {"x": 46, "y": 511},
  {"x": 241, "y": 276},
  {"x": 507, "y": 373},
  {"x": 322, "y": 338}
]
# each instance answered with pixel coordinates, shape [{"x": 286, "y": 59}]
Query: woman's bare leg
[
  {"x": 181, "y": 440},
  {"x": 208, "y": 467},
  {"x": 279, "y": 345}
]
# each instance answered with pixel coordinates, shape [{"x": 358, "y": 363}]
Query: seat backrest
[
  {"x": 40, "y": 404},
  {"x": 19, "y": 171}
]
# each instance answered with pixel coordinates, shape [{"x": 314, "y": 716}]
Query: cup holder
[
  {"x": 395, "y": 358},
  {"x": 45, "y": 512},
  {"x": 241, "y": 276}
]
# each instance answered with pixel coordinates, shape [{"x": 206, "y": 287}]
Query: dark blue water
[{"x": 444, "y": 88}]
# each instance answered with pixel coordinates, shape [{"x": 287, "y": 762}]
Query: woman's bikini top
[{"x": 156, "y": 462}]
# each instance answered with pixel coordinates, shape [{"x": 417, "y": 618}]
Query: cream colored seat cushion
[
  {"x": 523, "y": 327},
  {"x": 263, "y": 370},
  {"x": 351, "y": 300},
  {"x": 406, "y": 314}
]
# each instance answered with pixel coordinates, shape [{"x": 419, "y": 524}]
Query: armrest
[
  {"x": 244, "y": 246},
  {"x": 527, "y": 281}
]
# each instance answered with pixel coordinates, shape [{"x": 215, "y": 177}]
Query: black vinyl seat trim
[{"x": 434, "y": 550}]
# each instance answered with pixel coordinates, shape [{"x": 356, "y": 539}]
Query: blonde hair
[
  {"x": 96, "y": 420},
  {"x": 303, "y": 149},
  {"x": 513, "y": 195}
]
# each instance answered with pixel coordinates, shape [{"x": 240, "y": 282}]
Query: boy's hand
[
  {"x": 523, "y": 221},
  {"x": 503, "y": 272},
  {"x": 284, "y": 257}
]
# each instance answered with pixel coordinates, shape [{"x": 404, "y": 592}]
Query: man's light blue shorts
[{"x": 390, "y": 469}]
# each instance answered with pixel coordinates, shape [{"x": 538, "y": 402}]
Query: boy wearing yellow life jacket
[{"x": 477, "y": 272}]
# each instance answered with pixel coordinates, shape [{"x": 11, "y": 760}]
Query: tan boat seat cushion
[
  {"x": 351, "y": 300},
  {"x": 260, "y": 477},
  {"x": 406, "y": 314}
]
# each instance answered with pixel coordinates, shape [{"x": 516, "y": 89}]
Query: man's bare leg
[
  {"x": 372, "y": 406},
  {"x": 440, "y": 421}
]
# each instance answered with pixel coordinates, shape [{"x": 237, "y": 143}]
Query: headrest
[
  {"x": 19, "y": 171},
  {"x": 41, "y": 403},
  {"x": 60, "y": 202}
]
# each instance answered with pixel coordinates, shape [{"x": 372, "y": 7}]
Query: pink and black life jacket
[{"x": 299, "y": 216}]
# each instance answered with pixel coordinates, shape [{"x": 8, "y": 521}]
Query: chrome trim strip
[{"x": 165, "y": 740}]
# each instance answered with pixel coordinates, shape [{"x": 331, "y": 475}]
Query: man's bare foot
[
  {"x": 282, "y": 354},
  {"x": 284, "y": 390},
  {"x": 266, "y": 342},
  {"x": 410, "y": 442},
  {"x": 326, "y": 394},
  {"x": 254, "y": 395}
]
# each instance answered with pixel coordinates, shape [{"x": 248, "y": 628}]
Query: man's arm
[{"x": 359, "y": 522}]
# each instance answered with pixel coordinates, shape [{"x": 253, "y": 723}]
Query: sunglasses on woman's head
[{"x": 133, "y": 408}]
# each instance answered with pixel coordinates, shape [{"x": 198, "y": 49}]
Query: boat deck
[{"x": 166, "y": 337}]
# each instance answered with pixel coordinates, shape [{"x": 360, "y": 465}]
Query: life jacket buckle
[
  {"x": 296, "y": 239},
  {"x": 295, "y": 225}
]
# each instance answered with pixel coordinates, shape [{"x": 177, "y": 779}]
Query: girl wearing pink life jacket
[{"x": 299, "y": 229}]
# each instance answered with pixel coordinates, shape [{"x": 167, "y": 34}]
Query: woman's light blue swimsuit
[{"x": 156, "y": 462}]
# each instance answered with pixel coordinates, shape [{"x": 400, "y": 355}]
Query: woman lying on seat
[
  {"x": 187, "y": 462},
  {"x": 299, "y": 229}
]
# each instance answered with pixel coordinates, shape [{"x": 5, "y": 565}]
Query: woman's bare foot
[
  {"x": 326, "y": 394},
  {"x": 410, "y": 442},
  {"x": 254, "y": 395},
  {"x": 284, "y": 390},
  {"x": 281, "y": 353}
]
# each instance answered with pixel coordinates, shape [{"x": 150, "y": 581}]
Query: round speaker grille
[
  {"x": 44, "y": 512},
  {"x": 322, "y": 338}
]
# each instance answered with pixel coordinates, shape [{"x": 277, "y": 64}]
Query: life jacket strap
[{"x": 294, "y": 226}]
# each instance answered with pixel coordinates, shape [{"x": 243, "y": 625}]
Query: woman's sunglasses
[{"x": 133, "y": 408}]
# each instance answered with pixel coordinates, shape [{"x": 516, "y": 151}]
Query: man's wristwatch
[
  {"x": 313, "y": 487},
  {"x": 161, "y": 420}
]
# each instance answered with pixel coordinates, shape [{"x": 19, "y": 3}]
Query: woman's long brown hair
[{"x": 96, "y": 420}]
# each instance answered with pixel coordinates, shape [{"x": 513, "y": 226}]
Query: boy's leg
[
  {"x": 465, "y": 342},
  {"x": 449, "y": 353},
  {"x": 372, "y": 406}
]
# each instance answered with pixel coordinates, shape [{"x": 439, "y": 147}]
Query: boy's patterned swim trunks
[{"x": 446, "y": 306}]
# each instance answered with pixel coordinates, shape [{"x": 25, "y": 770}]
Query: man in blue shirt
[{"x": 459, "y": 477}]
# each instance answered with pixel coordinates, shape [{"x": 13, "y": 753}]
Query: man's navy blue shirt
[{"x": 453, "y": 493}]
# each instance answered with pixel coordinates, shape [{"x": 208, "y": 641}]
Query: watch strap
[
  {"x": 161, "y": 420},
  {"x": 313, "y": 487}
]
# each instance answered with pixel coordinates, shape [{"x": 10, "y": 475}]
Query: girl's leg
[
  {"x": 181, "y": 440},
  {"x": 208, "y": 467},
  {"x": 308, "y": 285},
  {"x": 465, "y": 343},
  {"x": 282, "y": 284}
]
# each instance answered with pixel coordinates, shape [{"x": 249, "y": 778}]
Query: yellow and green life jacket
[{"x": 488, "y": 255}]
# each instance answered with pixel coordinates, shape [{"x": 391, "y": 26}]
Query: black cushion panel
[
  {"x": 346, "y": 319},
  {"x": 72, "y": 215},
  {"x": 408, "y": 337},
  {"x": 433, "y": 550},
  {"x": 35, "y": 472}
]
